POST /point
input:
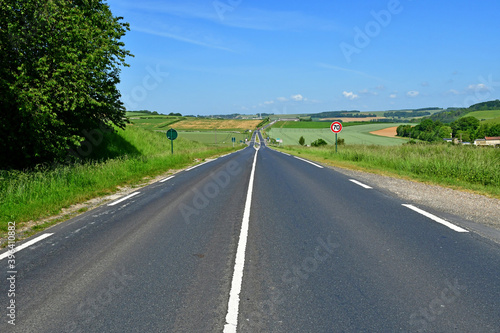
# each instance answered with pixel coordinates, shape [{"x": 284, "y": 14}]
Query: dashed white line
[
  {"x": 435, "y": 218},
  {"x": 25, "y": 245},
  {"x": 360, "y": 184},
  {"x": 239, "y": 263},
  {"x": 164, "y": 180},
  {"x": 316, "y": 165},
  {"x": 123, "y": 199}
]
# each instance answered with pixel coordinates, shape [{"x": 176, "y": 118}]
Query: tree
[
  {"x": 59, "y": 66},
  {"x": 445, "y": 132},
  {"x": 302, "y": 141}
]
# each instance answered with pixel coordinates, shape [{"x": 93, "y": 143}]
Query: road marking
[
  {"x": 239, "y": 263},
  {"x": 360, "y": 184},
  {"x": 25, "y": 245},
  {"x": 198, "y": 165},
  {"x": 316, "y": 165},
  {"x": 123, "y": 199},
  {"x": 164, "y": 180},
  {"x": 437, "y": 219}
]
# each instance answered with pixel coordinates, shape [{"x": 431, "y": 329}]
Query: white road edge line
[
  {"x": 360, "y": 184},
  {"x": 123, "y": 199},
  {"x": 239, "y": 263},
  {"x": 164, "y": 180},
  {"x": 194, "y": 167},
  {"x": 25, "y": 245},
  {"x": 435, "y": 218},
  {"x": 316, "y": 165}
]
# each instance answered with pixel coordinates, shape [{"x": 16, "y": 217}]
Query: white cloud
[
  {"x": 368, "y": 92},
  {"x": 452, "y": 92},
  {"x": 350, "y": 95},
  {"x": 282, "y": 99},
  {"x": 269, "y": 102},
  {"x": 481, "y": 87},
  {"x": 393, "y": 96},
  {"x": 297, "y": 97},
  {"x": 412, "y": 93}
]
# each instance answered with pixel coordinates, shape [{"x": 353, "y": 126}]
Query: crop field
[
  {"x": 359, "y": 134},
  {"x": 223, "y": 138},
  {"x": 154, "y": 123},
  {"x": 219, "y": 124},
  {"x": 490, "y": 114}
]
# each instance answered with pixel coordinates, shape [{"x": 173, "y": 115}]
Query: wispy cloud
[
  {"x": 337, "y": 68},
  {"x": 236, "y": 16},
  {"x": 167, "y": 34},
  {"x": 412, "y": 93}
]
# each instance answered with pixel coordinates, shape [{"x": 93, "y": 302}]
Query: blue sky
[{"x": 253, "y": 56}]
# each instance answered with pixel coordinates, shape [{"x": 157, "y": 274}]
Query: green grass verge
[
  {"x": 142, "y": 154},
  {"x": 465, "y": 167}
]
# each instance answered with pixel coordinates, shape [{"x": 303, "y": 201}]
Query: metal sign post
[
  {"x": 172, "y": 135},
  {"x": 336, "y": 127}
]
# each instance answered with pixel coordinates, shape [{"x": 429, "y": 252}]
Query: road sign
[
  {"x": 336, "y": 127},
  {"x": 171, "y": 134}
]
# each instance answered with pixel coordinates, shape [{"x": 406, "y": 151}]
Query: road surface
[{"x": 256, "y": 241}]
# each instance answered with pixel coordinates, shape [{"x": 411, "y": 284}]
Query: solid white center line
[
  {"x": 316, "y": 165},
  {"x": 25, "y": 245},
  {"x": 164, "y": 180},
  {"x": 435, "y": 218},
  {"x": 360, "y": 184},
  {"x": 239, "y": 263},
  {"x": 123, "y": 199}
]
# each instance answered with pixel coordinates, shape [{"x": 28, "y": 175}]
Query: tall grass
[
  {"x": 468, "y": 167},
  {"x": 39, "y": 193}
]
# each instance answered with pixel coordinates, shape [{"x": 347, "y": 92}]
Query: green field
[
  {"x": 491, "y": 117},
  {"x": 489, "y": 114},
  {"x": 359, "y": 134},
  {"x": 209, "y": 138}
]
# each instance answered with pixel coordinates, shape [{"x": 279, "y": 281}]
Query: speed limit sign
[{"x": 336, "y": 127}]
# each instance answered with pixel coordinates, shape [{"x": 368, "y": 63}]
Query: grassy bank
[
  {"x": 465, "y": 167},
  {"x": 137, "y": 153}
]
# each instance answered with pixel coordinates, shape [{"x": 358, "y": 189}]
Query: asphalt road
[{"x": 321, "y": 253}]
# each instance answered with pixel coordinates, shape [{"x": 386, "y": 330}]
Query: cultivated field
[
  {"x": 489, "y": 114},
  {"x": 389, "y": 132},
  {"x": 359, "y": 134},
  {"x": 219, "y": 124},
  {"x": 211, "y": 138},
  {"x": 346, "y": 119}
]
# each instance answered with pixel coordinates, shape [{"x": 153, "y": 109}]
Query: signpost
[
  {"x": 336, "y": 128},
  {"x": 172, "y": 135}
]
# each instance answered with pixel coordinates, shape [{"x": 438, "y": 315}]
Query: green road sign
[{"x": 172, "y": 134}]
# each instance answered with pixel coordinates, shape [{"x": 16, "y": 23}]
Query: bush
[
  {"x": 302, "y": 141},
  {"x": 319, "y": 143}
]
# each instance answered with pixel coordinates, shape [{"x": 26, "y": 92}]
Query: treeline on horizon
[{"x": 466, "y": 128}]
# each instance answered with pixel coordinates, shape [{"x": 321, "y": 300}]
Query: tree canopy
[{"x": 59, "y": 66}]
